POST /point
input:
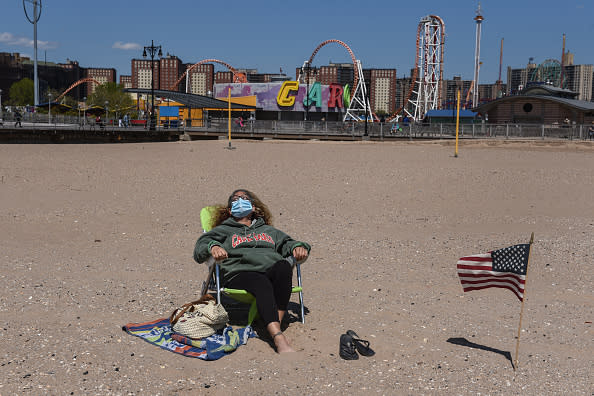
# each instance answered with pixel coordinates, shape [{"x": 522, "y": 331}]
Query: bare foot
[{"x": 282, "y": 345}]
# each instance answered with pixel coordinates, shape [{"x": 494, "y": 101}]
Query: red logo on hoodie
[{"x": 238, "y": 239}]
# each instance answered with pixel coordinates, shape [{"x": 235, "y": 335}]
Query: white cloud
[
  {"x": 125, "y": 46},
  {"x": 19, "y": 41}
]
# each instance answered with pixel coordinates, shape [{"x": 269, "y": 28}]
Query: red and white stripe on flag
[{"x": 476, "y": 273}]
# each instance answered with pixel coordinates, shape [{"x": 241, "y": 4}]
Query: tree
[
  {"x": 21, "y": 93},
  {"x": 118, "y": 101}
]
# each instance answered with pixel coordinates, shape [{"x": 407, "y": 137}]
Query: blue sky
[{"x": 269, "y": 35}]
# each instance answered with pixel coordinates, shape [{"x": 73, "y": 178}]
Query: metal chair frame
[{"x": 213, "y": 283}]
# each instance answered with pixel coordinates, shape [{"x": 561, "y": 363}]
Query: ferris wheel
[{"x": 549, "y": 72}]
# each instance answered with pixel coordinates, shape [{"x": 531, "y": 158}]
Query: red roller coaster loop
[
  {"x": 81, "y": 81},
  {"x": 237, "y": 76},
  {"x": 353, "y": 58}
]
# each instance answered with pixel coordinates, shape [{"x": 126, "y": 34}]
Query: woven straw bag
[{"x": 199, "y": 319}]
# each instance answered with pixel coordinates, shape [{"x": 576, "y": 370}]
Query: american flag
[{"x": 504, "y": 268}]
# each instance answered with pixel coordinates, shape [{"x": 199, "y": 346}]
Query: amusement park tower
[{"x": 477, "y": 55}]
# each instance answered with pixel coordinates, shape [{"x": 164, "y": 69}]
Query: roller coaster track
[
  {"x": 81, "y": 81},
  {"x": 428, "y": 60},
  {"x": 238, "y": 77},
  {"x": 303, "y": 72}
]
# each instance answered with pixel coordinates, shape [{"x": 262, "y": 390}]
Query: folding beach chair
[{"x": 213, "y": 280}]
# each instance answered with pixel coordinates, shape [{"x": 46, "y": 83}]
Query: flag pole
[
  {"x": 457, "y": 122},
  {"x": 230, "y": 147},
  {"x": 516, "y": 362}
]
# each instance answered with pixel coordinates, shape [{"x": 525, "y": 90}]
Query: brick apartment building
[
  {"x": 126, "y": 81},
  {"x": 223, "y": 77},
  {"x": 101, "y": 75},
  {"x": 381, "y": 84},
  {"x": 200, "y": 79},
  {"x": 170, "y": 70},
  {"x": 141, "y": 73}
]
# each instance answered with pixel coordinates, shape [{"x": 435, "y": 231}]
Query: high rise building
[
  {"x": 334, "y": 73},
  {"x": 101, "y": 75},
  {"x": 326, "y": 75},
  {"x": 200, "y": 79},
  {"x": 170, "y": 70},
  {"x": 126, "y": 81},
  {"x": 488, "y": 92},
  {"x": 223, "y": 77},
  {"x": 381, "y": 84},
  {"x": 141, "y": 73},
  {"x": 579, "y": 80},
  {"x": 449, "y": 93}
]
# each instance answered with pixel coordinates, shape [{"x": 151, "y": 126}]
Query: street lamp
[
  {"x": 152, "y": 50},
  {"x": 85, "y": 111},
  {"x": 49, "y": 109}
]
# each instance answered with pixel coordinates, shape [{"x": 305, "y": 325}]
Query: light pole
[
  {"x": 85, "y": 111},
  {"x": 49, "y": 109},
  {"x": 0, "y": 106},
  {"x": 106, "y": 103},
  {"x": 34, "y": 19},
  {"x": 152, "y": 50}
]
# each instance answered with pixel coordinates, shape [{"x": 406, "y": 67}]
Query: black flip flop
[
  {"x": 362, "y": 346},
  {"x": 347, "y": 348}
]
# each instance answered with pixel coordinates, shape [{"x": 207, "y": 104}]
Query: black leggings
[{"x": 272, "y": 289}]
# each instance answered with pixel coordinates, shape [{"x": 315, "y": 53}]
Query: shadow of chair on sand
[{"x": 464, "y": 342}]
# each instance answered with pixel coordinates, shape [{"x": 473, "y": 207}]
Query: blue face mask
[{"x": 241, "y": 208}]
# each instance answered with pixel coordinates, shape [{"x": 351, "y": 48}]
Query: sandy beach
[{"x": 98, "y": 236}]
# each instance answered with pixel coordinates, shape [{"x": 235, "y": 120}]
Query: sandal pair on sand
[{"x": 350, "y": 344}]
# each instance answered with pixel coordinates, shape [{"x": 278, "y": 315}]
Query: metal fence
[
  {"x": 321, "y": 129},
  {"x": 413, "y": 131}
]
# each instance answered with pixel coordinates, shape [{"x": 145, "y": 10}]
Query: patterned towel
[{"x": 159, "y": 333}]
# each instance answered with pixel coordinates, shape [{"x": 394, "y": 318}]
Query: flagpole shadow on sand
[{"x": 464, "y": 342}]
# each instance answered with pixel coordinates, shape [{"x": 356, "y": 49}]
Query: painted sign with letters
[{"x": 289, "y": 95}]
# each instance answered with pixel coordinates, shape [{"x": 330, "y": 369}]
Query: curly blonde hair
[{"x": 260, "y": 209}]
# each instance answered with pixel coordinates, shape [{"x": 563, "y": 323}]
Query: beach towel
[{"x": 159, "y": 333}]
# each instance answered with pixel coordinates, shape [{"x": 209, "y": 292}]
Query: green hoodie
[{"x": 254, "y": 248}]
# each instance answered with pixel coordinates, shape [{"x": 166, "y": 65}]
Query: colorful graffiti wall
[{"x": 289, "y": 95}]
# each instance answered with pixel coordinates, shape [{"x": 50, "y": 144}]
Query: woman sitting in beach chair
[{"x": 252, "y": 257}]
